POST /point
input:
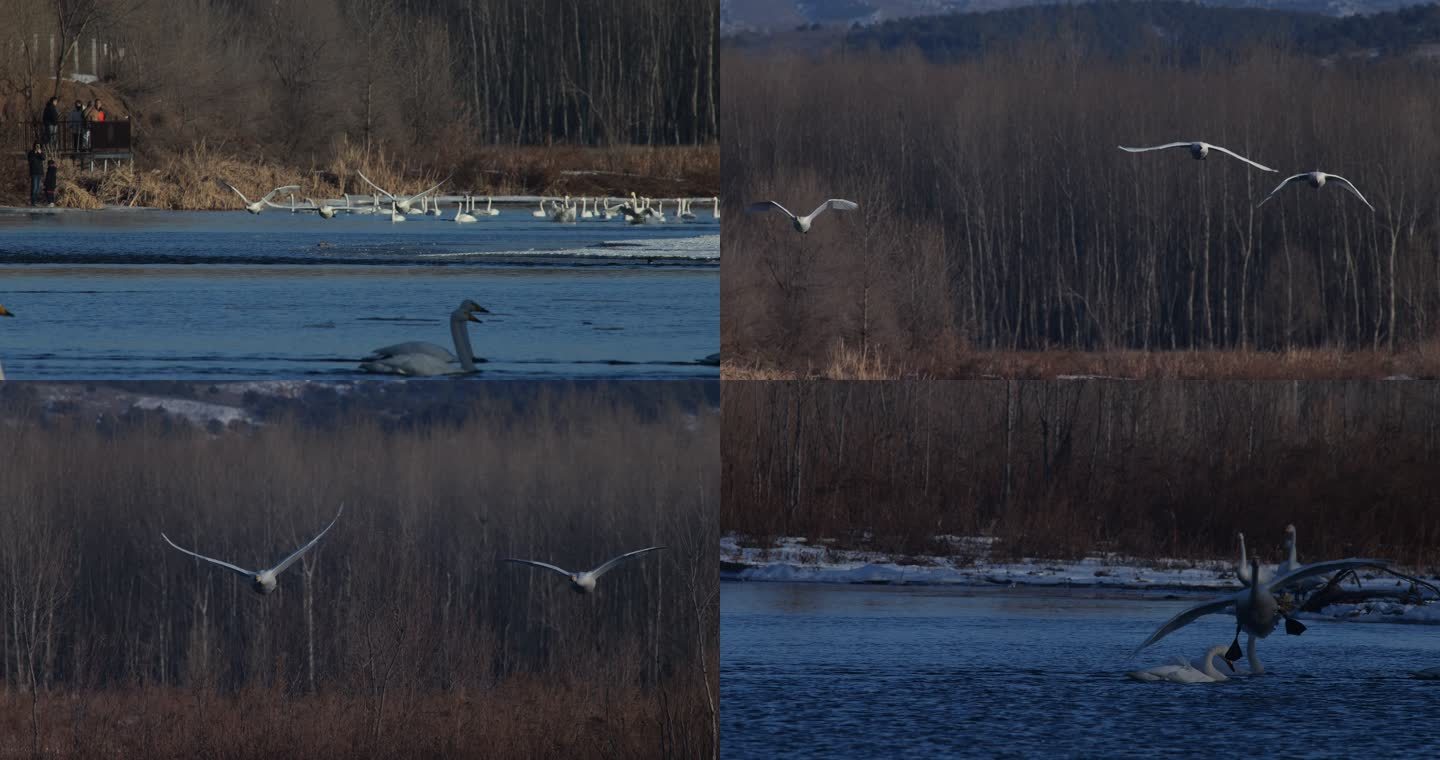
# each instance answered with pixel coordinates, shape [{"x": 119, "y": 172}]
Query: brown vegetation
[
  {"x": 997, "y": 215},
  {"x": 402, "y": 633},
  {"x": 1059, "y": 469}
]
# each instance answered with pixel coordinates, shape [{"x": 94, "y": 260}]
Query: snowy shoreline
[{"x": 798, "y": 560}]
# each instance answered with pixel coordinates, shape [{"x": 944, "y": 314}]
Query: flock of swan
[
  {"x": 565, "y": 210},
  {"x": 1198, "y": 150},
  {"x": 1267, "y": 597},
  {"x": 264, "y": 582}
]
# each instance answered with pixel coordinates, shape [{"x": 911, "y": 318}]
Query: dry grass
[
  {"x": 1421, "y": 362},
  {"x": 191, "y": 180},
  {"x": 520, "y": 717}
]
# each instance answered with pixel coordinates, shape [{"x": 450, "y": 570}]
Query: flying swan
[
  {"x": 1317, "y": 180},
  {"x": 1198, "y": 151},
  {"x": 423, "y": 359},
  {"x": 1242, "y": 571},
  {"x": 403, "y": 205},
  {"x": 263, "y": 581},
  {"x": 256, "y": 207},
  {"x": 802, "y": 223},
  {"x": 584, "y": 583},
  {"x": 1256, "y": 609}
]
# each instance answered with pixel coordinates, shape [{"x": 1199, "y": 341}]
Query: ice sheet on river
[
  {"x": 700, "y": 247},
  {"x": 798, "y": 560}
]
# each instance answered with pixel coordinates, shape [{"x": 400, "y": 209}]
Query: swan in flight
[
  {"x": 405, "y": 204},
  {"x": 1199, "y": 670},
  {"x": 1317, "y": 180},
  {"x": 1243, "y": 570},
  {"x": 1256, "y": 609},
  {"x": 325, "y": 210},
  {"x": 263, "y": 581},
  {"x": 1198, "y": 151},
  {"x": 256, "y": 207},
  {"x": 802, "y": 223},
  {"x": 462, "y": 214},
  {"x": 423, "y": 359},
  {"x": 584, "y": 582},
  {"x": 4, "y": 313}
]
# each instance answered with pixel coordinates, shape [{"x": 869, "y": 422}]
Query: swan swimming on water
[
  {"x": 263, "y": 581},
  {"x": 802, "y": 223},
  {"x": 584, "y": 582},
  {"x": 1199, "y": 151},
  {"x": 423, "y": 359},
  {"x": 1256, "y": 609},
  {"x": 462, "y": 214},
  {"x": 1317, "y": 180},
  {"x": 3, "y": 313},
  {"x": 489, "y": 209},
  {"x": 256, "y": 207},
  {"x": 1199, "y": 670}
]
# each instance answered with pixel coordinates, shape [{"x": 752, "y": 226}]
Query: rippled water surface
[
  {"x": 149, "y": 294},
  {"x": 861, "y": 671}
]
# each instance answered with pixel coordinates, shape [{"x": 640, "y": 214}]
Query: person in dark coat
[
  {"x": 52, "y": 122},
  {"x": 76, "y": 125},
  {"x": 52, "y": 181},
  {"x": 36, "y": 157}
]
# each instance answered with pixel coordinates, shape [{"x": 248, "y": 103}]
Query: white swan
[
  {"x": 585, "y": 212},
  {"x": 4, "y": 313},
  {"x": 1256, "y": 609},
  {"x": 584, "y": 582},
  {"x": 802, "y": 223},
  {"x": 405, "y": 205},
  {"x": 263, "y": 581},
  {"x": 1317, "y": 180},
  {"x": 256, "y": 207},
  {"x": 434, "y": 209},
  {"x": 395, "y": 214},
  {"x": 423, "y": 359},
  {"x": 685, "y": 212},
  {"x": 325, "y": 210},
  {"x": 461, "y": 214},
  {"x": 715, "y": 209},
  {"x": 1198, "y": 151},
  {"x": 1242, "y": 571},
  {"x": 542, "y": 213},
  {"x": 564, "y": 213},
  {"x": 489, "y": 209},
  {"x": 1199, "y": 670}
]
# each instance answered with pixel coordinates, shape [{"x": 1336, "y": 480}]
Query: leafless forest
[
  {"x": 413, "y": 86},
  {"x": 1058, "y": 469},
  {"x": 402, "y": 635},
  {"x": 997, "y": 214}
]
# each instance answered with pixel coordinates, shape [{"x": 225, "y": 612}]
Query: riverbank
[{"x": 194, "y": 180}]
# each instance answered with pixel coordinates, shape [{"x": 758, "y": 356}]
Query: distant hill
[
  {"x": 1112, "y": 28},
  {"x": 769, "y": 16}
]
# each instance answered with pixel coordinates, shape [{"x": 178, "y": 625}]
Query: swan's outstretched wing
[
  {"x": 225, "y": 565},
  {"x": 545, "y": 565},
  {"x": 1325, "y": 568},
  {"x": 1281, "y": 186},
  {"x": 382, "y": 190},
  {"x": 1229, "y": 152},
  {"x": 1157, "y": 147},
  {"x": 1351, "y": 187},
  {"x": 1187, "y": 617},
  {"x": 605, "y": 568},
  {"x": 237, "y": 192},
  {"x": 430, "y": 189},
  {"x": 755, "y": 208},
  {"x": 839, "y": 204},
  {"x": 290, "y": 560},
  {"x": 273, "y": 193}
]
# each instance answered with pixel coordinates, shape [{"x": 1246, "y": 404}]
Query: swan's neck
[
  {"x": 1255, "y": 666},
  {"x": 462, "y": 344},
  {"x": 2, "y": 372},
  {"x": 1293, "y": 561}
]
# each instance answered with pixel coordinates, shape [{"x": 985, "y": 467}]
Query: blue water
[
  {"x": 230, "y": 296},
  {"x": 811, "y": 670}
]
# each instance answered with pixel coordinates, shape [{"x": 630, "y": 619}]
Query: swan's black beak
[
  {"x": 1294, "y": 627},
  {"x": 1230, "y": 664}
]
